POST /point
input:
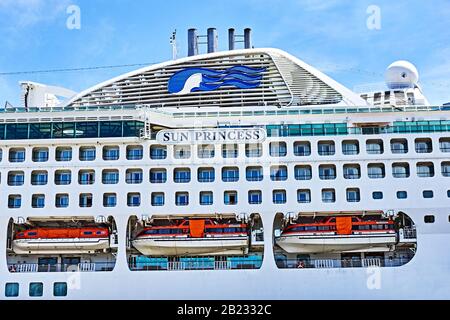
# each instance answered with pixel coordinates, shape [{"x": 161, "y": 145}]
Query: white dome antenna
[{"x": 402, "y": 75}]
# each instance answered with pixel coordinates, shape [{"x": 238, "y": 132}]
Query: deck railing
[{"x": 80, "y": 267}]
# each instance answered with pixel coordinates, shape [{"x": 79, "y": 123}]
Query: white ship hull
[
  {"x": 59, "y": 246},
  {"x": 330, "y": 244},
  {"x": 195, "y": 247}
]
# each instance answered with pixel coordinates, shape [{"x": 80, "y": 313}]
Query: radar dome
[{"x": 402, "y": 75}]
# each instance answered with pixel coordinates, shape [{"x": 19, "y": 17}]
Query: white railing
[
  {"x": 324, "y": 264},
  {"x": 25, "y": 268},
  {"x": 176, "y": 266},
  {"x": 86, "y": 267},
  {"x": 371, "y": 263},
  {"x": 222, "y": 265}
]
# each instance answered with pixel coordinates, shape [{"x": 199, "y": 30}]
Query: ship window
[
  {"x": 206, "y": 175},
  {"x": 134, "y": 199},
  {"x": 378, "y": 195},
  {"x": 158, "y": 199},
  {"x": 62, "y": 200},
  {"x": 376, "y": 171},
  {"x": 206, "y": 198},
  {"x": 327, "y": 172},
  {"x": 132, "y": 128},
  {"x": 278, "y": 173},
  {"x": 16, "y": 131},
  {"x": 353, "y": 195},
  {"x": 39, "y": 178},
  {"x": 428, "y": 194},
  {"x": 253, "y": 150},
  {"x": 302, "y": 149},
  {"x": 16, "y": 178},
  {"x": 86, "y": 177},
  {"x": 110, "y": 176},
  {"x": 206, "y": 151},
  {"x": 36, "y": 289},
  {"x": 327, "y": 148},
  {"x": 32, "y": 234},
  {"x": 446, "y": 169},
  {"x": 430, "y": 219},
  {"x": 448, "y": 193},
  {"x": 254, "y": 174},
  {"x": 109, "y": 200},
  {"x": 87, "y": 130},
  {"x": 86, "y": 200},
  {"x": 400, "y": 170},
  {"x": 40, "y": 155},
  {"x": 182, "y": 198},
  {"x": 310, "y": 228},
  {"x": 230, "y": 151},
  {"x": 64, "y": 130},
  {"x": 60, "y": 289},
  {"x": 158, "y": 176},
  {"x": 63, "y": 154},
  {"x": 254, "y": 197},
  {"x": 279, "y": 196},
  {"x": 350, "y": 148},
  {"x": 230, "y": 174},
  {"x": 424, "y": 146},
  {"x": 399, "y": 146},
  {"x": 182, "y": 152},
  {"x": 303, "y": 173},
  {"x": 111, "y": 129},
  {"x": 134, "y": 176},
  {"x": 87, "y": 154},
  {"x": 11, "y": 290},
  {"x": 402, "y": 195},
  {"x": 444, "y": 144},
  {"x": 230, "y": 197},
  {"x": 182, "y": 175},
  {"x": 375, "y": 147},
  {"x": 425, "y": 170},
  {"x": 17, "y": 155},
  {"x": 111, "y": 153},
  {"x": 278, "y": 149},
  {"x": 40, "y": 130},
  {"x": 158, "y": 152},
  {"x": 304, "y": 196},
  {"x": 38, "y": 201},
  {"x": 14, "y": 201},
  {"x": 135, "y": 153},
  {"x": 352, "y": 171},
  {"x": 328, "y": 196}
]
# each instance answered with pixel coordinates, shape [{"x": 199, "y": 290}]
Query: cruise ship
[{"x": 245, "y": 174}]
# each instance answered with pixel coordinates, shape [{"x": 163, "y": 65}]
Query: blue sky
[{"x": 331, "y": 35}]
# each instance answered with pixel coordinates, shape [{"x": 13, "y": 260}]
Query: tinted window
[
  {"x": 60, "y": 289},
  {"x": 12, "y": 290},
  {"x": 378, "y": 195},
  {"x": 430, "y": 219},
  {"x": 36, "y": 289}
]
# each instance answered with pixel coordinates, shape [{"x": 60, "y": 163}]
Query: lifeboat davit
[
  {"x": 61, "y": 241},
  {"x": 339, "y": 234},
  {"x": 193, "y": 238}
]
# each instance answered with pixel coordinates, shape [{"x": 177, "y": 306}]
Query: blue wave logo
[{"x": 201, "y": 79}]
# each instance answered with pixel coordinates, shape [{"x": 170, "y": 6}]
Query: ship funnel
[
  {"x": 248, "y": 38},
  {"x": 231, "y": 39},
  {"x": 192, "y": 42},
  {"x": 213, "y": 40}
]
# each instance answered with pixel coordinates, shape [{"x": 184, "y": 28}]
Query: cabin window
[
  {"x": 39, "y": 178},
  {"x": 326, "y": 148},
  {"x": 399, "y": 146},
  {"x": 86, "y": 200},
  {"x": 182, "y": 198},
  {"x": 304, "y": 196},
  {"x": 400, "y": 170},
  {"x": 36, "y": 289},
  {"x": 17, "y": 155},
  {"x": 448, "y": 193},
  {"x": 158, "y": 152},
  {"x": 230, "y": 198},
  {"x": 230, "y": 174},
  {"x": 425, "y": 170},
  {"x": 134, "y": 176},
  {"x": 428, "y": 194},
  {"x": 353, "y": 195},
  {"x": 378, "y": 195},
  {"x": 134, "y": 199},
  {"x": 278, "y": 149},
  {"x": 63, "y": 154},
  {"x": 402, "y": 195},
  {"x": 206, "y": 175},
  {"x": 182, "y": 152},
  {"x": 110, "y": 176},
  {"x": 206, "y": 198},
  {"x": 40, "y": 155},
  {"x": 254, "y": 197},
  {"x": 424, "y": 146},
  {"x": 375, "y": 147},
  {"x": 158, "y": 176},
  {"x": 111, "y": 153},
  {"x": 158, "y": 199},
  {"x": 444, "y": 144},
  {"x": 182, "y": 175},
  {"x": 12, "y": 290},
  {"x": 254, "y": 174},
  {"x": 253, "y": 150},
  {"x": 278, "y": 173},
  {"x": 327, "y": 172},
  {"x": 376, "y": 171},
  {"x": 86, "y": 177},
  {"x": 16, "y": 178},
  {"x": 63, "y": 178},
  {"x": 38, "y": 201},
  {"x": 303, "y": 173},
  {"x": 135, "y": 153},
  {"x": 446, "y": 169},
  {"x": 60, "y": 289},
  {"x": 206, "y": 151},
  {"x": 279, "y": 196},
  {"x": 109, "y": 200},
  {"x": 302, "y": 149},
  {"x": 88, "y": 233},
  {"x": 62, "y": 200},
  {"x": 430, "y": 219},
  {"x": 87, "y": 154},
  {"x": 352, "y": 171},
  {"x": 14, "y": 201},
  {"x": 328, "y": 196},
  {"x": 230, "y": 151},
  {"x": 350, "y": 148}
]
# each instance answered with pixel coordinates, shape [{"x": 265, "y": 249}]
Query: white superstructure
[{"x": 219, "y": 146}]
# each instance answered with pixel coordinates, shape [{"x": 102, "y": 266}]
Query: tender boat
[
  {"x": 339, "y": 234},
  {"x": 195, "y": 237},
  {"x": 61, "y": 241}
]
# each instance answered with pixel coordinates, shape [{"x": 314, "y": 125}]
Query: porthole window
[
  {"x": 11, "y": 290},
  {"x": 378, "y": 195},
  {"x": 430, "y": 219},
  {"x": 36, "y": 289},
  {"x": 428, "y": 194},
  {"x": 60, "y": 289}
]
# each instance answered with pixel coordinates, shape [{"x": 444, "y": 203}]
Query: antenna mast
[{"x": 173, "y": 42}]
